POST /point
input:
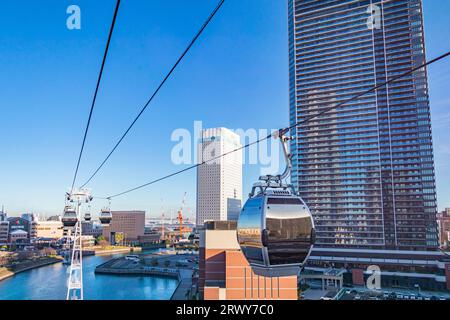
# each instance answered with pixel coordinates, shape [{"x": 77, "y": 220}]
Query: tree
[
  {"x": 5, "y": 259},
  {"x": 46, "y": 252},
  {"x": 24, "y": 255},
  {"x": 119, "y": 238},
  {"x": 103, "y": 243}
]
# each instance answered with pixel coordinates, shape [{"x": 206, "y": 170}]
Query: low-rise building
[
  {"x": 25, "y": 226},
  {"x": 225, "y": 274},
  {"x": 149, "y": 238},
  {"x": 49, "y": 229},
  {"x": 90, "y": 228},
  {"x": 130, "y": 223},
  {"x": 444, "y": 228},
  {"x": 18, "y": 236},
  {"x": 54, "y": 218},
  {"x": 429, "y": 270},
  {"x": 87, "y": 241}
]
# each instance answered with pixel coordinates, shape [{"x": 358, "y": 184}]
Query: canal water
[{"x": 50, "y": 283}]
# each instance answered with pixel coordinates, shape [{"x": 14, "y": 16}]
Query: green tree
[
  {"x": 119, "y": 238},
  {"x": 103, "y": 243},
  {"x": 47, "y": 252}
]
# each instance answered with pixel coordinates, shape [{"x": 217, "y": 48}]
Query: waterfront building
[
  {"x": 87, "y": 241},
  {"x": 18, "y": 236},
  {"x": 4, "y": 228},
  {"x": 32, "y": 224},
  {"x": 366, "y": 168},
  {"x": 29, "y": 216},
  {"x": 219, "y": 182},
  {"x": 4, "y": 232},
  {"x": 49, "y": 229},
  {"x": 27, "y": 228},
  {"x": 90, "y": 228},
  {"x": 54, "y": 218},
  {"x": 225, "y": 274},
  {"x": 130, "y": 223},
  {"x": 150, "y": 238}
]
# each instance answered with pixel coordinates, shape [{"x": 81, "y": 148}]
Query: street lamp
[{"x": 418, "y": 287}]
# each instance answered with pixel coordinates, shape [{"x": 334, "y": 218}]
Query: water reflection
[{"x": 50, "y": 283}]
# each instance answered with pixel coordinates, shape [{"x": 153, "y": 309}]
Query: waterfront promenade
[
  {"x": 114, "y": 250},
  {"x": 184, "y": 285},
  {"x": 179, "y": 266},
  {"x": 8, "y": 272},
  {"x": 50, "y": 283},
  {"x": 25, "y": 265}
]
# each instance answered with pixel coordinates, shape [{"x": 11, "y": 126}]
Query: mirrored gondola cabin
[
  {"x": 276, "y": 232},
  {"x": 69, "y": 218},
  {"x": 105, "y": 216}
]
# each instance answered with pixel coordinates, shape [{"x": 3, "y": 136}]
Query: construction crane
[
  {"x": 162, "y": 221},
  {"x": 180, "y": 215}
]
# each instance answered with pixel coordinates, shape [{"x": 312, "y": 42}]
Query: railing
[{"x": 142, "y": 271}]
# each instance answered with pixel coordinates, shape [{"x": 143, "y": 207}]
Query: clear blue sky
[{"x": 236, "y": 76}]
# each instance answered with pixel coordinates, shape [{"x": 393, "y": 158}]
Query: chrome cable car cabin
[
  {"x": 275, "y": 228},
  {"x": 105, "y": 216},
  {"x": 87, "y": 214},
  {"x": 69, "y": 218}
]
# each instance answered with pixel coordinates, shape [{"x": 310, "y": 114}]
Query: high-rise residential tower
[
  {"x": 366, "y": 168},
  {"x": 219, "y": 182},
  {"x": 4, "y": 228}
]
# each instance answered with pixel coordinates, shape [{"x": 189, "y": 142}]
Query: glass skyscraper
[{"x": 366, "y": 168}]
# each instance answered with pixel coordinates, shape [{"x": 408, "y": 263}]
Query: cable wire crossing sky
[{"x": 53, "y": 53}]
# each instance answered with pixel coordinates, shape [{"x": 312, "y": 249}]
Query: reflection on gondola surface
[
  {"x": 275, "y": 228},
  {"x": 69, "y": 218},
  {"x": 249, "y": 231},
  {"x": 289, "y": 226},
  {"x": 105, "y": 216}
]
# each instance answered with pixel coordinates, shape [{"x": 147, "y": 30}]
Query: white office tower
[{"x": 219, "y": 180}]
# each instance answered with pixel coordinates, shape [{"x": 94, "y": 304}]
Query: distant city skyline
[{"x": 236, "y": 76}]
